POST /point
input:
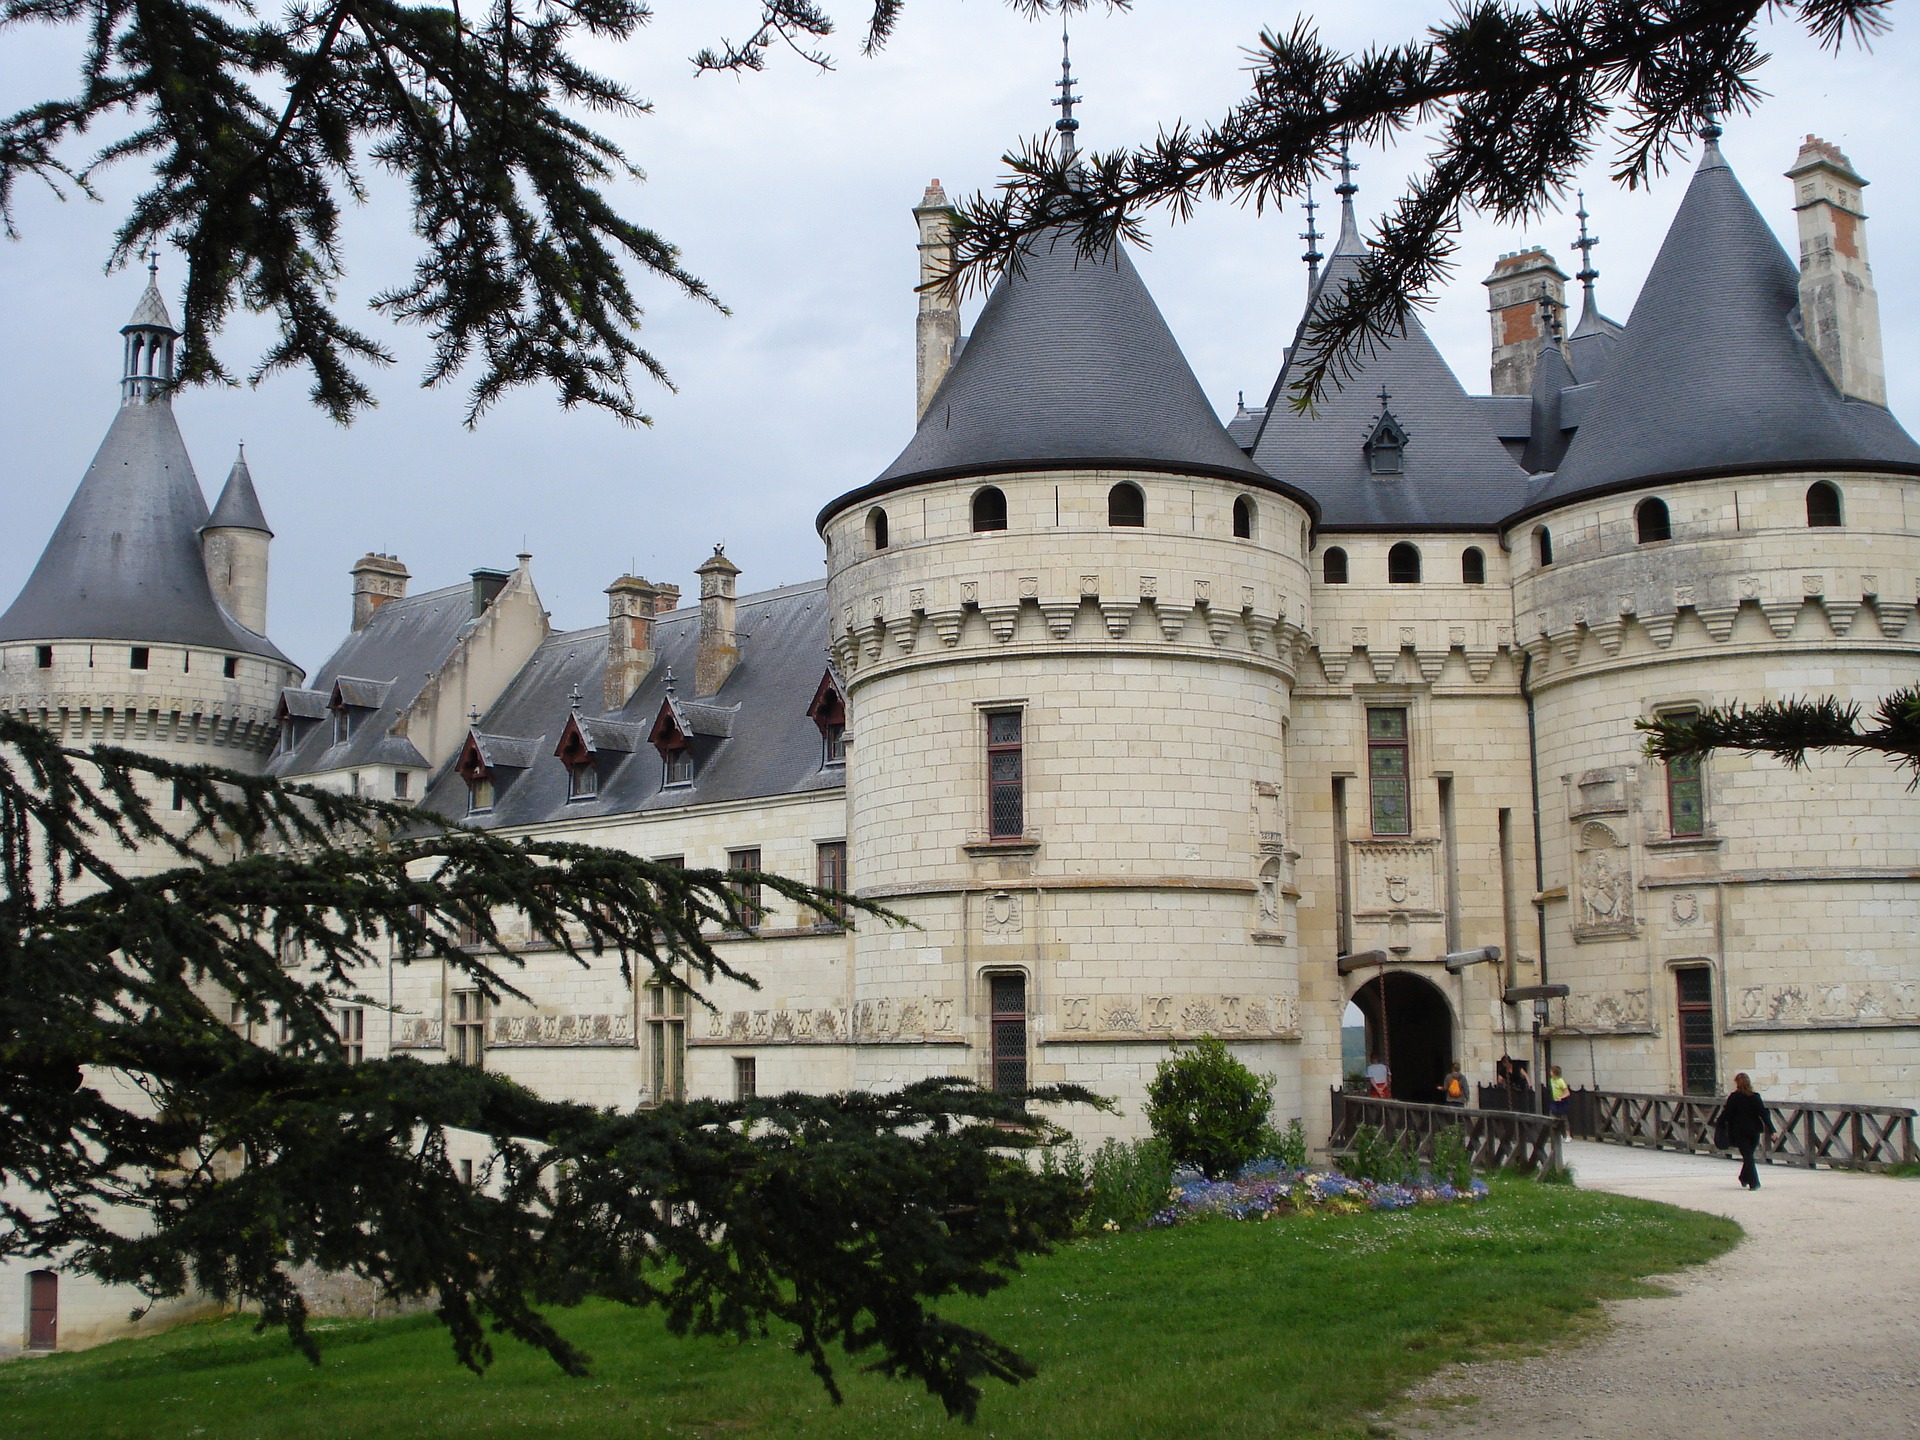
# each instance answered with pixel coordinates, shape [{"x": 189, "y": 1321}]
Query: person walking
[
  {"x": 1559, "y": 1092},
  {"x": 1453, "y": 1089},
  {"x": 1744, "y": 1118}
]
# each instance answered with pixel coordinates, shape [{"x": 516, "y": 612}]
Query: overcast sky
[{"x": 789, "y": 192}]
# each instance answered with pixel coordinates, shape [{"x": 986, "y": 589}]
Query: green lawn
[{"x": 1294, "y": 1327}]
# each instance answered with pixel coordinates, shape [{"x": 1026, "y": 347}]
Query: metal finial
[
  {"x": 1385, "y": 396},
  {"x": 1710, "y": 130},
  {"x": 473, "y": 715},
  {"x": 1346, "y": 188},
  {"x": 1066, "y": 124},
  {"x": 1549, "y": 318},
  {"x": 153, "y": 264},
  {"x": 669, "y": 680},
  {"x": 1585, "y": 245},
  {"x": 1312, "y": 236},
  {"x": 573, "y": 698}
]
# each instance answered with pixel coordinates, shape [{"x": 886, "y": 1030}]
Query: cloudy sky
[{"x": 789, "y": 192}]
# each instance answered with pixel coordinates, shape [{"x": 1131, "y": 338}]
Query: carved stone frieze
[
  {"x": 1106, "y": 1018},
  {"x": 1826, "y": 1005},
  {"x": 1396, "y": 877},
  {"x": 1619, "y": 1012},
  {"x": 419, "y": 1032},
  {"x": 533, "y": 1032}
]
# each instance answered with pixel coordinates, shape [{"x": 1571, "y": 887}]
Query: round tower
[
  {"x": 118, "y": 634},
  {"x": 1727, "y": 526},
  {"x": 1066, "y": 621}
]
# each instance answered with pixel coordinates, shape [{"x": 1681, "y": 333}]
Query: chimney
[
  {"x": 632, "y": 602},
  {"x": 487, "y": 585},
  {"x": 719, "y": 648},
  {"x": 1519, "y": 283},
  {"x": 938, "y": 328},
  {"x": 376, "y": 580},
  {"x": 1839, "y": 312}
]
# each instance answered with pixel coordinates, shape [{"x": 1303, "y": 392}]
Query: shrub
[
  {"x": 1129, "y": 1183},
  {"x": 1209, "y": 1108},
  {"x": 1288, "y": 1146},
  {"x": 1371, "y": 1156},
  {"x": 1451, "y": 1160}
]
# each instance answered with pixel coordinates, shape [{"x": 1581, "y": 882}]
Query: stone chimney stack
[
  {"x": 632, "y": 602},
  {"x": 938, "y": 328},
  {"x": 376, "y": 580},
  {"x": 719, "y": 648},
  {"x": 1839, "y": 312},
  {"x": 1515, "y": 289}
]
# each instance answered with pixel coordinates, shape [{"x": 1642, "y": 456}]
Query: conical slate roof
[
  {"x": 151, "y": 312},
  {"x": 1712, "y": 375},
  {"x": 238, "y": 508},
  {"x": 1069, "y": 365},
  {"x": 1456, "y": 473},
  {"x": 1547, "y": 440},
  {"x": 124, "y": 562}
]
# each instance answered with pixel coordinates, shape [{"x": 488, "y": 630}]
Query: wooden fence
[
  {"x": 1846, "y": 1137},
  {"x": 1494, "y": 1138}
]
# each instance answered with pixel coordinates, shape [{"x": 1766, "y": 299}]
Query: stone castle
[{"x": 1156, "y": 726}]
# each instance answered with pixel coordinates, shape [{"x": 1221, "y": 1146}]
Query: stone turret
[
  {"x": 719, "y": 648},
  {"x": 1524, "y": 290},
  {"x": 937, "y": 331},
  {"x": 234, "y": 544},
  {"x": 1839, "y": 310}
]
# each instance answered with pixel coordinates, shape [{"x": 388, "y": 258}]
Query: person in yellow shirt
[{"x": 1559, "y": 1093}]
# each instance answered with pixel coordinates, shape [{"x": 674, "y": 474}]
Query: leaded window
[
  {"x": 1387, "y": 771},
  {"x": 1007, "y": 1017},
  {"x": 1006, "y": 809}
]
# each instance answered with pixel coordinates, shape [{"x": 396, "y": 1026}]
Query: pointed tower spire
[
  {"x": 238, "y": 507},
  {"x": 1066, "y": 125},
  {"x": 147, "y": 373},
  {"x": 1348, "y": 241},
  {"x": 233, "y": 546},
  {"x": 1312, "y": 236},
  {"x": 1587, "y": 274}
]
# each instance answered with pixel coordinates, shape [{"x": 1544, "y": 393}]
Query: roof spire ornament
[
  {"x": 1312, "y": 236},
  {"x": 1348, "y": 242},
  {"x": 1066, "y": 125},
  {"x": 1585, "y": 245},
  {"x": 1710, "y": 133}
]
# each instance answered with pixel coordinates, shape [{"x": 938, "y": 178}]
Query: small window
[
  {"x": 1007, "y": 1017},
  {"x": 468, "y": 1027},
  {"x": 1333, "y": 566},
  {"x": 466, "y": 1173},
  {"x": 43, "y": 656},
  {"x": 666, "y": 1009},
  {"x": 179, "y": 800},
  {"x": 989, "y": 508},
  {"x": 1127, "y": 505},
  {"x": 1651, "y": 521},
  {"x": 351, "y": 1023},
  {"x": 479, "y": 794},
  {"x": 1699, "y": 1075},
  {"x": 139, "y": 657},
  {"x": 583, "y": 781},
  {"x": 746, "y": 1077},
  {"x": 342, "y": 724},
  {"x": 1686, "y": 792},
  {"x": 1543, "y": 546},
  {"x": 43, "y": 1310},
  {"x": 1473, "y": 566},
  {"x": 1823, "y": 507},
  {"x": 877, "y": 529},
  {"x": 230, "y": 667},
  {"x": 1243, "y": 519},
  {"x": 833, "y": 743},
  {"x": 402, "y": 784},
  {"x": 354, "y": 785},
  {"x": 1006, "y": 783},
  {"x": 1403, "y": 564},
  {"x": 830, "y": 873},
  {"x": 745, "y": 866},
  {"x": 679, "y": 767},
  {"x": 1387, "y": 771}
]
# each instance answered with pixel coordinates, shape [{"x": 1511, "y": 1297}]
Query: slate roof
[
  {"x": 386, "y": 662},
  {"x": 124, "y": 563},
  {"x": 1070, "y": 365},
  {"x": 1712, "y": 375},
  {"x": 238, "y": 508},
  {"x": 752, "y": 739},
  {"x": 1457, "y": 473}
]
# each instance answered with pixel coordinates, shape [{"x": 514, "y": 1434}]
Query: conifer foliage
[
  {"x": 146, "y": 1139},
  {"x": 1786, "y": 730}
]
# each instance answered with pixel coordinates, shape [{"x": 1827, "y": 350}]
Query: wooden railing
[
  {"x": 1494, "y": 1138},
  {"x": 1846, "y": 1137}
]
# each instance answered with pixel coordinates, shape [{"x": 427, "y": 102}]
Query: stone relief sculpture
[{"x": 1603, "y": 884}]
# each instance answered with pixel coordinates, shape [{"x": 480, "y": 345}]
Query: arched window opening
[
  {"x": 1473, "y": 566},
  {"x": 1126, "y": 505},
  {"x": 1243, "y": 519},
  {"x": 989, "y": 508},
  {"x": 877, "y": 529},
  {"x": 1333, "y": 566},
  {"x": 1823, "y": 504},
  {"x": 1651, "y": 521},
  {"x": 1403, "y": 564},
  {"x": 1543, "y": 545}
]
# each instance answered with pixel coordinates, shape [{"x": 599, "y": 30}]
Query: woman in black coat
[{"x": 1743, "y": 1120}]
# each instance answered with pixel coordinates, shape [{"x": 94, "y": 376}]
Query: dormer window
[
  {"x": 583, "y": 781},
  {"x": 479, "y": 793},
  {"x": 678, "y": 766},
  {"x": 490, "y": 764},
  {"x": 829, "y": 715},
  {"x": 342, "y": 724},
  {"x": 1386, "y": 446},
  {"x": 670, "y": 738}
]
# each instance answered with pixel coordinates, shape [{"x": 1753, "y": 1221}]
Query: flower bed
[{"x": 1267, "y": 1188}]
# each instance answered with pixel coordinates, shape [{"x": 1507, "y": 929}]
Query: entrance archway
[{"x": 1409, "y": 1030}]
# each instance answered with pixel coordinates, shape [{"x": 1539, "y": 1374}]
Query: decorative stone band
[
  {"x": 542, "y": 1032},
  {"x": 914, "y": 1020},
  {"x": 884, "y": 630},
  {"x": 1820, "y": 1005},
  {"x": 1569, "y": 636},
  {"x": 1621, "y": 1012},
  {"x": 1106, "y": 1019},
  {"x": 141, "y": 720},
  {"x": 419, "y": 1033},
  {"x": 1371, "y": 654}
]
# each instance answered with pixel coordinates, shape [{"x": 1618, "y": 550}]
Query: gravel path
[{"x": 1808, "y": 1328}]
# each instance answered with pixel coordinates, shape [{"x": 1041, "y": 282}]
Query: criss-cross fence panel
[
  {"x": 1495, "y": 1138},
  {"x": 1846, "y": 1137}
]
